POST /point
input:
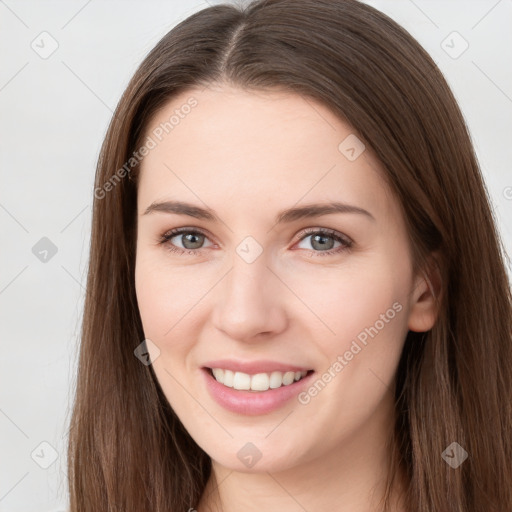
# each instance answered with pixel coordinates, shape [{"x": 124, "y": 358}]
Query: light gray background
[{"x": 54, "y": 114}]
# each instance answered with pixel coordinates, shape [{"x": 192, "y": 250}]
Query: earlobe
[{"x": 425, "y": 299}]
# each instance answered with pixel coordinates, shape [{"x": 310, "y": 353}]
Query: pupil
[
  {"x": 317, "y": 238},
  {"x": 193, "y": 239}
]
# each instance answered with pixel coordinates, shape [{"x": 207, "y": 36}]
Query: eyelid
[
  {"x": 171, "y": 233},
  {"x": 299, "y": 236},
  {"x": 308, "y": 231}
]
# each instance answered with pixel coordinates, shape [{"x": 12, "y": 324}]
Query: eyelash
[{"x": 345, "y": 241}]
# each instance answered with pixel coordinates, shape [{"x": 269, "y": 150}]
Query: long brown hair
[{"x": 128, "y": 451}]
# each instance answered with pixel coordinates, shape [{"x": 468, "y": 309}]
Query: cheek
[
  {"x": 346, "y": 299},
  {"x": 365, "y": 309},
  {"x": 169, "y": 302},
  {"x": 153, "y": 292}
]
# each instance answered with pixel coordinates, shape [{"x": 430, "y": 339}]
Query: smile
[
  {"x": 254, "y": 387},
  {"x": 257, "y": 382}
]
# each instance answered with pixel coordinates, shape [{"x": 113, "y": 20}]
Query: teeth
[
  {"x": 218, "y": 373},
  {"x": 257, "y": 382},
  {"x": 228, "y": 378},
  {"x": 242, "y": 381},
  {"x": 276, "y": 380},
  {"x": 260, "y": 382},
  {"x": 288, "y": 378}
]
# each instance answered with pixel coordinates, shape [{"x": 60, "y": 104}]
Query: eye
[
  {"x": 322, "y": 241},
  {"x": 191, "y": 240}
]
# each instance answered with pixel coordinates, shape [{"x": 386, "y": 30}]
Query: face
[{"x": 239, "y": 276}]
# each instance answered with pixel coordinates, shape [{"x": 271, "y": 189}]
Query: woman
[{"x": 224, "y": 365}]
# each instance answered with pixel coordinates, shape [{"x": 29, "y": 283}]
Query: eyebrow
[{"x": 286, "y": 216}]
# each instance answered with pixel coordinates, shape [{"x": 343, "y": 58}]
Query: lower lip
[{"x": 252, "y": 403}]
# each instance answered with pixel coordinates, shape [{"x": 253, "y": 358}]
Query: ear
[{"x": 426, "y": 294}]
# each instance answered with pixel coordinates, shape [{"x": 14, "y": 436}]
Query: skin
[{"x": 249, "y": 155}]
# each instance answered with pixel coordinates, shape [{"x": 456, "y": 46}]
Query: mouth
[
  {"x": 258, "y": 382},
  {"x": 255, "y": 391}
]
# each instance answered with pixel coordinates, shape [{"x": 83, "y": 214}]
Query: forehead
[{"x": 246, "y": 147}]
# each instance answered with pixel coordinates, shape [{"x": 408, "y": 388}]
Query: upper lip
[{"x": 253, "y": 367}]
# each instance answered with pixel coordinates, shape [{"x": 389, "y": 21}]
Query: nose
[{"x": 251, "y": 302}]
